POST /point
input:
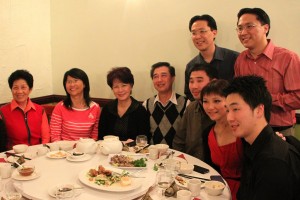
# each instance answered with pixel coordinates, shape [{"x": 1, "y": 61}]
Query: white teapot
[
  {"x": 86, "y": 145},
  {"x": 111, "y": 145}
]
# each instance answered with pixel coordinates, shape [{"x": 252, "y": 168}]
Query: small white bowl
[
  {"x": 162, "y": 148},
  {"x": 66, "y": 145},
  {"x": 214, "y": 188},
  {"x": 186, "y": 168},
  {"x": 20, "y": 148}
]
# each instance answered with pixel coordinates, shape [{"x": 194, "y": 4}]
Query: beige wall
[
  {"x": 96, "y": 35},
  {"x": 25, "y": 44}
]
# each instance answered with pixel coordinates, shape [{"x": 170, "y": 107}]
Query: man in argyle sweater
[{"x": 167, "y": 107}]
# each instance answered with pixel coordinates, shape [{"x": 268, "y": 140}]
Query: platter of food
[
  {"x": 103, "y": 179},
  {"x": 57, "y": 154},
  {"x": 128, "y": 161}
]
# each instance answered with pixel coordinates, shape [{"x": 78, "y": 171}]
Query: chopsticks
[
  {"x": 15, "y": 155},
  {"x": 143, "y": 148},
  {"x": 190, "y": 177}
]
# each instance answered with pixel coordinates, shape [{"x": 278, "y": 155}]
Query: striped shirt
[
  {"x": 73, "y": 124},
  {"x": 281, "y": 70}
]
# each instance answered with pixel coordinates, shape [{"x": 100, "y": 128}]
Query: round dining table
[{"x": 51, "y": 172}]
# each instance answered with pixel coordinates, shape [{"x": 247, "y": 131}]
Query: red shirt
[
  {"x": 16, "y": 121},
  {"x": 229, "y": 159},
  {"x": 281, "y": 70}
]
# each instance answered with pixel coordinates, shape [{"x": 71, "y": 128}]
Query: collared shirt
[
  {"x": 14, "y": 112},
  {"x": 164, "y": 119},
  {"x": 172, "y": 99},
  {"x": 15, "y": 105},
  {"x": 281, "y": 69},
  {"x": 223, "y": 60},
  {"x": 45, "y": 129}
]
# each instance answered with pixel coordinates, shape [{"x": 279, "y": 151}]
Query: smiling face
[
  {"x": 202, "y": 35},
  {"x": 121, "y": 90},
  {"x": 198, "y": 80},
  {"x": 20, "y": 91},
  {"x": 162, "y": 79},
  {"x": 254, "y": 36},
  {"x": 243, "y": 121},
  {"x": 74, "y": 86},
  {"x": 215, "y": 106}
]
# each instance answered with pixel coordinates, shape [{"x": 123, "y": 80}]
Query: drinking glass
[
  {"x": 164, "y": 180},
  {"x": 141, "y": 140},
  {"x": 10, "y": 192},
  {"x": 173, "y": 166}
]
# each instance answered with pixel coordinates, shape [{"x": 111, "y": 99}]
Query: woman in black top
[{"x": 124, "y": 117}]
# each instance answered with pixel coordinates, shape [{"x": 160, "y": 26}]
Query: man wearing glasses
[
  {"x": 279, "y": 67},
  {"x": 203, "y": 32}
]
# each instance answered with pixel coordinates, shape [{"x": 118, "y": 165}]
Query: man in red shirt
[{"x": 279, "y": 67}]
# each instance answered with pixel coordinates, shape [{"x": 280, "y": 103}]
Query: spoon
[
  {"x": 67, "y": 189},
  {"x": 19, "y": 164}
]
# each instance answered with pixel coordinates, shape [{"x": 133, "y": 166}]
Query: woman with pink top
[{"x": 77, "y": 116}]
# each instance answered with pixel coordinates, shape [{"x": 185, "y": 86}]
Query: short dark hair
[
  {"x": 215, "y": 87},
  {"x": 21, "y": 74},
  {"x": 261, "y": 16},
  {"x": 162, "y": 64},
  {"x": 210, "y": 21},
  {"x": 122, "y": 73},
  {"x": 211, "y": 71},
  {"x": 78, "y": 74},
  {"x": 253, "y": 90}
]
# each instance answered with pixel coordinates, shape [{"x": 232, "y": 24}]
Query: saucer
[
  {"x": 15, "y": 175},
  {"x": 84, "y": 158},
  {"x": 56, "y": 154},
  {"x": 52, "y": 190}
]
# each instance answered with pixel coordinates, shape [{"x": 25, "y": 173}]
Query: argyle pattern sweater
[{"x": 164, "y": 120}]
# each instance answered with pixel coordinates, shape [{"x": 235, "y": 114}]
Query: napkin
[{"x": 182, "y": 156}]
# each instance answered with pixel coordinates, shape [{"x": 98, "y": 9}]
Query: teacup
[
  {"x": 42, "y": 151},
  {"x": 5, "y": 170}
]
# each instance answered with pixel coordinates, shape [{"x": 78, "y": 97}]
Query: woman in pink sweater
[{"x": 77, "y": 116}]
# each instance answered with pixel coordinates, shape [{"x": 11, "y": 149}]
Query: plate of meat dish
[
  {"x": 128, "y": 161},
  {"x": 107, "y": 180}
]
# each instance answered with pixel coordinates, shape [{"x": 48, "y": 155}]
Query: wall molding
[{"x": 49, "y": 99}]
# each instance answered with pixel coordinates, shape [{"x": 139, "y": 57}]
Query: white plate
[
  {"x": 183, "y": 184},
  {"x": 84, "y": 158},
  {"x": 116, "y": 187},
  {"x": 130, "y": 155},
  {"x": 15, "y": 175},
  {"x": 52, "y": 190},
  {"x": 57, "y": 154}
]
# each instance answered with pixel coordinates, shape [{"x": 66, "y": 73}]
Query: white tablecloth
[{"x": 56, "y": 171}]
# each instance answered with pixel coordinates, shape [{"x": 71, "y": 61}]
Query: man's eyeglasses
[
  {"x": 247, "y": 27},
  {"x": 199, "y": 32}
]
